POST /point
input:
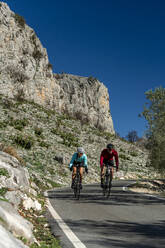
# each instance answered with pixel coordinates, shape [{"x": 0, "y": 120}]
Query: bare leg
[
  {"x": 102, "y": 176},
  {"x": 74, "y": 173},
  {"x": 81, "y": 173},
  {"x": 102, "y": 172}
]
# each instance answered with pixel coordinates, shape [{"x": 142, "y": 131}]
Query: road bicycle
[
  {"x": 107, "y": 182},
  {"x": 77, "y": 182}
]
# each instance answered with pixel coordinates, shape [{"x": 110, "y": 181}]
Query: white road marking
[{"x": 68, "y": 232}]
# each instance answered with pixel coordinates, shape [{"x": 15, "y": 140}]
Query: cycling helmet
[
  {"x": 110, "y": 146},
  {"x": 80, "y": 150}
]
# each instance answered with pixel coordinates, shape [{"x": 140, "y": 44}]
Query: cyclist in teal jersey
[{"x": 78, "y": 157}]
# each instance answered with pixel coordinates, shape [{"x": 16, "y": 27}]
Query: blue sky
[{"x": 120, "y": 42}]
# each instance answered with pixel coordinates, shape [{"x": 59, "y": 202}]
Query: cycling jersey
[
  {"x": 105, "y": 155},
  {"x": 82, "y": 159}
]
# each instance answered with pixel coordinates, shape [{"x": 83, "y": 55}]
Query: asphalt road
[{"x": 127, "y": 219}]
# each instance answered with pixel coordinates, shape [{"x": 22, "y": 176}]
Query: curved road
[{"x": 125, "y": 220}]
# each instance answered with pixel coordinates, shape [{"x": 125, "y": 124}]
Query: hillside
[{"x": 46, "y": 140}]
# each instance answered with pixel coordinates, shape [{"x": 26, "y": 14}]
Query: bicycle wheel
[
  {"x": 109, "y": 185},
  {"x": 78, "y": 189},
  {"x": 105, "y": 187},
  {"x": 77, "y": 186}
]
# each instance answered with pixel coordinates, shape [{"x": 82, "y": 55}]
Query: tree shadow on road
[
  {"x": 109, "y": 233},
  {"x": 92, "y": 194}
]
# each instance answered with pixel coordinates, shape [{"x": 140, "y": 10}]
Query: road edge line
[{"x": 64, "y": 227}]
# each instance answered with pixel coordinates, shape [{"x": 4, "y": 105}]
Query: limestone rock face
[
  {"x": 24, "y": 67},
  {"x": 86, "y": 99},
  {"x": 25, "y": 72}
]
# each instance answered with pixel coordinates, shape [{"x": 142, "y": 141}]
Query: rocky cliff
[{"x": 25, "y": 72}]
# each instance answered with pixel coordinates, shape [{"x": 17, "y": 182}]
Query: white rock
[
  {"x": 7, "y": 240},
  {"x": 15, "y": 222},
  {"x": 28, "y": 203}
]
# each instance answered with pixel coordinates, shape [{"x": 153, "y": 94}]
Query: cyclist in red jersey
[{"x": 107, "y": 156}]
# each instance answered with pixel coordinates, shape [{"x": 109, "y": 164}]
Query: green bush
[
  {"x": 133, "y": 154},
  {"x": 54, "y": 131},
  {"x": 3, "y": 124},
  {"x": 122, "y": 150},
  {"x": 38, "y": 131},
  {"x": 3, "y": 191},
  {"x": 4, "y": 172},
  {"x": 24, "y": 141},
  {"x": 54, "y": 184},
  {"x": 19, "y": 124},
  {"x": 124, "y": 157},
  {"x": 44, "y": 144}
]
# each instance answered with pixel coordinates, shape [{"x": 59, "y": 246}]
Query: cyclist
[
  {"x": 78, "y": 157},
  {"x": 107, "y": 156}
]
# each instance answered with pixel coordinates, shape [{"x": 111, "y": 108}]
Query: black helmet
[{"x": 110, "y": 146}]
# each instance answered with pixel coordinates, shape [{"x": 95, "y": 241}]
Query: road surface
[{"x": 127, "y": 219}]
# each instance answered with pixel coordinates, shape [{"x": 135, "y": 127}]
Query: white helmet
[{"x": 80, "y": 150}]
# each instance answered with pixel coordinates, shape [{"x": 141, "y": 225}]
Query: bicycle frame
[
  {"x": 77, "y": 182},
  {"x": 108, "y": 180}
]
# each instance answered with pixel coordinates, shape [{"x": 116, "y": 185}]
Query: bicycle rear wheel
[
  {"x": 109, "y": 185},
  {"x": 77, "y": 187},
  {"x": 105, "y": 186},
  {"x": 75, "y": 190}
]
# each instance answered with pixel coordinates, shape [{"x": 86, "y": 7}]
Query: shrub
[
  {"x": 3, "y": 191},
  {"x": 84, "y": 118},
  {"x": 16, "y": 74},
  {"x": 38, "y": 131},
  {"x": 8, "y": 104},
  {"x": 134, "y": 154},
  {"x": 3, "y": 124},
  {"x": 91, "y": 80},
  {"x": 124, "y": 157},
  {"x": 54, "y": 184},
  {"x": 58, "y": 76},
  {"x": 69, "y": 139},
  {"x": 37, "y": 55},
  {"x": 24, "y": 141},
  {"x": 4, "y": 172},
  {"x": 19, "y": 124},
  {"x": 44, "y": 144},
  {"x": 49, "y": 66},
  {"x": 20, "y": 20},
  {"x": 54, "y": 131},
  {"x": 19, "y": 96}
]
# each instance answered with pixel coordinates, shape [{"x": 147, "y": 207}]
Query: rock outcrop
[
  {"x": 14, "y": 190},
  {"x": 25, "y": 72},
  {"x": 7, "y": 240}
]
